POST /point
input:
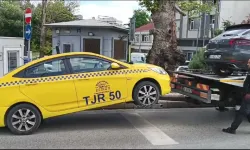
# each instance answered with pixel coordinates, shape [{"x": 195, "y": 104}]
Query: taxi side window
[
  {"x": 88, "y": 64},
  {"x": 50, "y": 68}
]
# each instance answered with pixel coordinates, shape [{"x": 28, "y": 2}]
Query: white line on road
[{"x": 150, "y": 132}]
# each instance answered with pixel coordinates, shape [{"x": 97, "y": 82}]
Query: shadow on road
[
  {"x": 78, "y": 122},
  {"x": 103, "y": 121},
  {"x": 4, "y": 131}
]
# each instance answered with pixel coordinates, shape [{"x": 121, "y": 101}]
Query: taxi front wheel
[
  {"x": 146, "y": 93},
  {"x": 23, "y": 119}
]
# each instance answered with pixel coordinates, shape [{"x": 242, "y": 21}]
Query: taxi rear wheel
[
  {"x": 23, "y": 119},
  {"x": 146, "y": 94}
]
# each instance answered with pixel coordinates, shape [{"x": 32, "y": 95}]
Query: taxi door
[
  {"x": 95, "y": 85},
  {"x": 48, "y": 84}
]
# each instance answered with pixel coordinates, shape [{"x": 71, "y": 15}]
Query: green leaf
[
  {"x": 194, "y": 8},
  {"x": 150, "y": 5},
  {"x": 142, "y": 17},
  {"x": 198, "y": 60}
]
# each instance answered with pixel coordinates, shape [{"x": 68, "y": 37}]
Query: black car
[{"x": 229, "y": 51}]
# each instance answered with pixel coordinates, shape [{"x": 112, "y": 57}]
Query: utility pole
[
  {"x": 204, "y": 29},
  {"x": 42, "y": 37},
  {"x": 131, "y": 36}
]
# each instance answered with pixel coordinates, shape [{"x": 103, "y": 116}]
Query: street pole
[
  {"x": 28, "y": 17},
  {"x": 23, "y": 24},
  {"x": 205, "y": 20},
  {"x": 131, "y": 35},
  {"x": 24, "y": 40},
  {"x": 29, "y": 48},
  {"x": 197, "y": 39}
]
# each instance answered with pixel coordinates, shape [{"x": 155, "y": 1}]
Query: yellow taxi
[{"x": 72, "y": 82}]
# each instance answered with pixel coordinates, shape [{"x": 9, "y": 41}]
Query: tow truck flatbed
[
  {"x": 208, "y": 87},
  {"x": 232, "y": 80}
]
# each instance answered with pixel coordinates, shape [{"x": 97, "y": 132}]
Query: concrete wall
[
  {"x": 235, "y": 11},
  {"x": 13, "y": 43},
  {"x": 191, "y": 33},
  {"x": 76, "y": 35}
]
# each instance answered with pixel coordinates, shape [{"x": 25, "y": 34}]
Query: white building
[
  {"x": 11, "y": 53},
  {"x": 234, "y": 10}
]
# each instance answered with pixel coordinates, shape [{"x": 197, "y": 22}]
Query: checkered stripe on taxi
[{"x": 73, "y": 76}]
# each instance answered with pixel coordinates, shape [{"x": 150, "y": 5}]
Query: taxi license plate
[
  {"x": 188, "y": 90},
  {"x": 215, "y": 56}
]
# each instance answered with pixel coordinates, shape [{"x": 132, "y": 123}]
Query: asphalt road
[{"x": 146, "y": 129}]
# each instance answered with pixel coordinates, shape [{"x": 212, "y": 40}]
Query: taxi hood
[
  {"x": 154, "y": 68},
  {"x": 141, "y": 65}
]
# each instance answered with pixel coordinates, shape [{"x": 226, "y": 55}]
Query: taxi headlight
[{"x": 159, "y": 70}]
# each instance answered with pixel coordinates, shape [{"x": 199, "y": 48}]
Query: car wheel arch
[
  {"x": 150, "y": 80},
  {"x": 23, "y": 102}
]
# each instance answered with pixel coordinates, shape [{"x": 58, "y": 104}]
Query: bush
[
  {"x": 217, "y": 32},
  {"x": 198, "y": 61}
]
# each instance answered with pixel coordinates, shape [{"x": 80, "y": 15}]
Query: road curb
[
  {"x": 174, "y": 97},
  {"x": 163, "y": 103}
]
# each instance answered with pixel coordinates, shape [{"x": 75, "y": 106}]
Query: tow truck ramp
[{"x": 207, "y": 88}]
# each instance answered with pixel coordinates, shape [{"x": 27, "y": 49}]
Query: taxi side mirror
[{"x": 115, "y": 66}]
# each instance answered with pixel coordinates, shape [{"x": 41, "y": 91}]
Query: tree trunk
[
  {"x": 164, "y": 51},
  {"x": 42, "y": 36}
]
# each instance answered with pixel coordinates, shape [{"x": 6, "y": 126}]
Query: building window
[
  {"x": 212, "y": 19},
  {"x": 67, "y": 48},
  {"x": 78, "y": 30},
  {"x": 67, "y": 31},
  {"x": 136, "y": 38},
  {"x": 145, "y": 38},
  {"x": 189, "y": 56},
  {"x": 12, "y": 60},
  {"x": 191, "y": 24}
]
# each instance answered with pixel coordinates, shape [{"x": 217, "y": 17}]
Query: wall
[
  {"x": 235, "y": 11},
  {"x": 191, "y": 33},
  {"x": 12, "y": 42},
  {"x": 76, "y": 36}
]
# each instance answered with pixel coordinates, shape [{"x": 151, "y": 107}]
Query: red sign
[{"x": 28, "y": 15}]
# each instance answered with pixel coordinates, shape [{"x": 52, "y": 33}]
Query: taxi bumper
[
  {"x": 3, "y": 111},
  {"x": 164, "y": 81}
]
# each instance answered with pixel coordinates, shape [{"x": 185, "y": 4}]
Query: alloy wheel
[
  {"x": 147, "y": 95},
  {"x": 23, "y": 119}
]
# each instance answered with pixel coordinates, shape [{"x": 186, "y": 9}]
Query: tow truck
[{"x": 209, "y": 88}]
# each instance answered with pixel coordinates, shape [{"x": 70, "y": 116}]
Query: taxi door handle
[
  {"x": 82, "y": 79},
  {"x": 29, "y": 84}
]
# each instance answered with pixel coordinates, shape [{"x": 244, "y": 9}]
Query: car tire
[
  {"x": 144, "y": 100},
  {"x": 20, "y": 123},
  {"x": 219, "y": 71}
]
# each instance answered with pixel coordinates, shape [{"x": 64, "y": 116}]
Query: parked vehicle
[
  {"x": 229, "y": 51},
  {"x": 183, "y": 67},
  {"x": 138, "y": 57}
]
